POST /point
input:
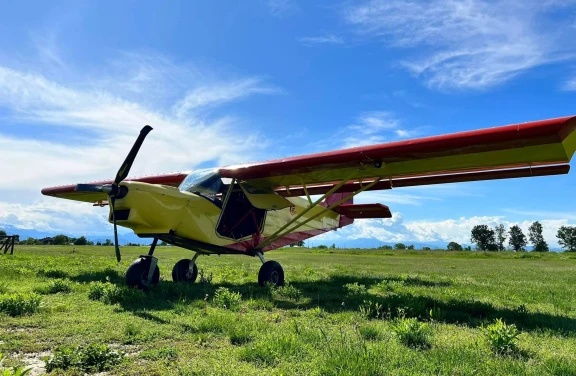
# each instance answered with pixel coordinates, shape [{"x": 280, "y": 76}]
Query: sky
[{"x": 228, "y": 82}]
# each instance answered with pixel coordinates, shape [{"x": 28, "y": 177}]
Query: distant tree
[
  {"x": 29, "y": 241},
  {"x": 333, "y": 246},
  {"x": 108, "y": 242},
  {"x": 164, "y": 244},
  {"x": 60, "y": 240},
  {"x": 500, "y": 232},
  {"x": 98, "y": 242},
  {"x": 411, "y": 247},
  {"x": 453, "y": 246},
  {"x": 386, "y": 247},
  {"x": 483, "y": 237},
  {"x": 536, "y": 238},
  {"x": 567, "y": 238},
  {"x": 399, "y": 246},
  {"x": 426, "y": 248},
  {"x": 300, "y": 243},
  {"x": 517, "y": 238},
  {"x": 468, "y": 248},
  {"x": 3, "y": 233},
  {"x": 322, "y": 246},
  {"x": 81, "y": 241}
]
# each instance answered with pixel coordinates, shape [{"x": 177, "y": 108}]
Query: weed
[
  {"x": 52, "y": 273},
  {"x": 91, "y": 358},
  {"x": 502, "y": 338},
  {"x": 14, "y": 371},
  {"x": 412, "y": 333},
  {"x": 205, "y": 279},
  {"x": 240, "y": 334},
  {"x": 4, "y": 288},
  {"x": 270, "y": 349},
  {"x": 436, "y": 314},
  {"x": 346, "y": 355},
  {"x": 370, "y": 309},
  {"x": 355, "y": 289},
  {"x": 56, "y": 286},
  {"x": 18, "y": 304},
  {"x": 157, "y": 354},
  {"x": 109, "y": 293},
  {"x": 224, "y": 298},
  {"x": 288, "y": 291},
  {"x": 560, "y": 366},
  {"x": 369, "y": 332}
]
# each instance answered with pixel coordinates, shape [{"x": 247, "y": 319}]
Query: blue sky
[{"x": 225, "y": 82}]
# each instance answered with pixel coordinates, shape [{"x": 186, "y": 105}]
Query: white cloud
[
  {"x": 324, "y": 39},
  {"x": 468, "y": 44},
  {"x": 396, "y": 229}
]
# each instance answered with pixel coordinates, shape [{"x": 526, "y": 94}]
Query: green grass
[{"x": 342, "y": 312}]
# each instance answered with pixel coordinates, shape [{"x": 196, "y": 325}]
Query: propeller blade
[
  {"x": 125, "y": 168},
  {"x": 88, "y": 188},
  {"x": 116, "y": 248}
]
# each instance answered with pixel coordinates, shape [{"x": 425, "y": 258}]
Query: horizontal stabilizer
[{"x": 364, "y": 211}]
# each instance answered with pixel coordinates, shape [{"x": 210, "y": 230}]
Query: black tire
[
  {"x": 137, "y": 274},
  {"x": 180, "y": 272},
  {"x": 271, "y": 272}
]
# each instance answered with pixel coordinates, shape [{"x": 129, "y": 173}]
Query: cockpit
[{"x": 207, "y": 183}]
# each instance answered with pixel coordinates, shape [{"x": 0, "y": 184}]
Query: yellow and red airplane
[{"x": 257, "y": 207}]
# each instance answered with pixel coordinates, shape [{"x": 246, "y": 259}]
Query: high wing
[
  {"x": 69, "y": 192},
  {"x": 518, "y": 150}
]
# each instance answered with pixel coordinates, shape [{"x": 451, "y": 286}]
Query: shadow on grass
[{"x": 329, "y": 294}]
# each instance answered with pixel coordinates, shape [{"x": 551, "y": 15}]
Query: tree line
[{"x": 493, "y": 239}]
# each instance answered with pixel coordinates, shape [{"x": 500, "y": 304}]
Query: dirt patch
[{"x": 35, "y": 363}]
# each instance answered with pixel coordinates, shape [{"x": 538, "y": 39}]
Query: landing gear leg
[
  {"x": 271, "y": 272},
  {"x": 185, "y": 270},
  {"x": 144, "y": 271}
]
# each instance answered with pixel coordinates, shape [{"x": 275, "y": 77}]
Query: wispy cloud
[
  {"x": 373, "y": 128},
  {"x": 570, "y": 85},
  {"x": 216, "y": 95},
  {"x": 280, "y": 8},
  {"x": 468, "y": 44},
  {"x": 60, "y": 133},
  {"x": 324, "y": 39}
]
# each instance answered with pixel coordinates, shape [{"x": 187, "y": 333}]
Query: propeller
[{"x": 114, "y": 190}]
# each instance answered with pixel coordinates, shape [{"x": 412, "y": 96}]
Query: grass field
[{"x": 342, "y": 313}]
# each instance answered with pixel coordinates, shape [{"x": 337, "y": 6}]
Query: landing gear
[
  {"x": 143, "y": 272},
  {"x": 271, "y": 272},
  {"x": 185, "y": 270}
]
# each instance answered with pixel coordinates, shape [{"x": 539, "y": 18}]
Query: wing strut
[{"x": 278, "y": 234}]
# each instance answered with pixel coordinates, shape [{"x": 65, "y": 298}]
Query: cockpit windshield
[{"x": 206, "y": 182}]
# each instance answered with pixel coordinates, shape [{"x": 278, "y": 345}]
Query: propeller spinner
[{"x": 113, "y": 190}]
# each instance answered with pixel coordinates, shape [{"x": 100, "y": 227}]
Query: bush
[
  {"x": 109, "y": 293},
  {"x": 157, "y": 354},
  {"x": 355, "y": 289},
  {"x": 412, "y": 333},
  {"x": 91, "y": 358},
  {"x": 227, "y": 299},
  {"x": 502, "y": 338},
  {"x": 288, "y": 291},
  {"x": 19, "y": 304},
  {"x": 54, "y": 287},
  {"x": 369, "y": 332}
]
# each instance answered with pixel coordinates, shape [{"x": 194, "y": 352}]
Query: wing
[
  {"x": 527, "y": 149},
  {"x": 68, "y": 192}
]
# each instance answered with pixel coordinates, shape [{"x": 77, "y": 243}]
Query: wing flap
[
  {"x": 547, "y": 142},
  {"x": 355, "y": 211}
]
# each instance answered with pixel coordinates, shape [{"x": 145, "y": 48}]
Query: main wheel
[
  {"x": 181, "y": 272},
  {"x": 271, "y": 272},
  {"x": 137, "y": 274}
]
